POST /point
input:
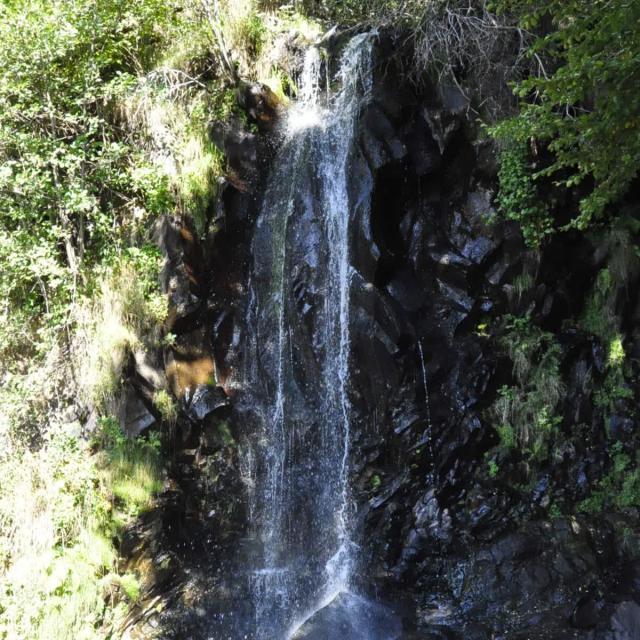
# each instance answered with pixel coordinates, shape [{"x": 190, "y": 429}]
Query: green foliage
[
  {"x": 131, "y": 469},
  {"x": 251, "y": 34},
  {"x": 518, "y": 199},
  {"x": 70, "y": 184},
  {"x": 524, "y": 413},
  {"x": 619, "y": 488},
  {"x": 120, "y": 316},
  {"x": 554, "y": 510},
  {"x": 523, "y": 283},
  {"x": 351, "y": 12},
  {"x": 599, "y": 316},
  {"x": 60, "y": 507},
  {"x": 166, "y": 405},
  {"x": 130, "y": 586},
  {"x": 586, "y": 104},
  {"x": 506, "y": 432},
  {"x": 494, "y": 469}
]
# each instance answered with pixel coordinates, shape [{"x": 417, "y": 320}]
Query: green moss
[
  {"x": 616, "y": 352},
  {"x": 554, "y": 510},
  {"x": 506, "y": 432}
]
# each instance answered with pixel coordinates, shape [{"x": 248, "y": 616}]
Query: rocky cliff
[{"x": 463, "y": 532}]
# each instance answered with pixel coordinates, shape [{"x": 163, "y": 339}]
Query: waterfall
[
  {"x": 427, "y": 404},
  {"x": 297, "y": 354}
]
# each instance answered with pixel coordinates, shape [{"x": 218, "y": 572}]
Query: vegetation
[
  {"x": 524, "y": 412},
  {"x": 583, "y": 104},
  {"x": 518, "y": 198},
  {"x": 60, "y": 509},
  {"x": 599, "y": 316},
  {"x": 104, "y": 108},
  {"x": 102, "y": 130},
  {"x": 619, "y": 488}
]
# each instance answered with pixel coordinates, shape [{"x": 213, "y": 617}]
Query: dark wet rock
[
  {"x": 204, "y": 400},
  {"x": 134, "y": 415},
  {"x": 377, "y": 125},
  {"x": 625, "y": 621},
  {"x": 261, "y": 104},
  {"x": 238, "y": 146},
  {"x": 149, "y": 370},
  {"x": 443, "y": 125},
  {"x": 587, "y": 613},
  {"x": 350, "y": 616},
  {"x": 180, "y": 276}
]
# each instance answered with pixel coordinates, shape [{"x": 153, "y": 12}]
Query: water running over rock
[{"x": 298, "y": 357}]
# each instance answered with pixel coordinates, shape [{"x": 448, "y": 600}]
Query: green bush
[
  {"x": 60, "y": 508},
  {"x": 518, "y": 199},
  {"x": 584, "y": 104},
  {"x": 524, "y": 413},
  {"x": 619, "y": 488}
]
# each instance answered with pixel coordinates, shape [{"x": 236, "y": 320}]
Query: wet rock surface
[
  {"x": 353, "y": 617},
  {"x": 459, "y": 552}
]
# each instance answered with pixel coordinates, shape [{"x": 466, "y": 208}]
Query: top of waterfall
[
  {"x": 306, "y": 112},
  {"x": 355, "y": 79}
]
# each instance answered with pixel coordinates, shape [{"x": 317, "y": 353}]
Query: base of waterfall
[{"x": 350, "y": 616}]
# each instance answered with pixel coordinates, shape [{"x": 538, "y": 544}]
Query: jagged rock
[
  {"x": 239, "y": 147},
  {"x": 261, "y": 104},
  {"x": 625, "y": 621},
  {"x": 179, "y": 277},
  {"x": 378, "y": 126},
  {"x": 203, "y": 400},
  {"x": 586, "y": 613},
  {"x": 443, "y": 125},
  {"x": 148, "y": 370},
  {"x": 353, "y": 617},
  {"x": 135, "y": 418}
]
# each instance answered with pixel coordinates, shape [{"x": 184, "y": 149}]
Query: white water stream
[{"x": 300, "y": 498}]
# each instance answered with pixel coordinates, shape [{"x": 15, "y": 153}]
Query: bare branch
[{"x": 471, "y": 46}]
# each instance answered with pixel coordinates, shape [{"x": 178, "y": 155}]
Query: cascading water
[{"x": 298, "y": 356}]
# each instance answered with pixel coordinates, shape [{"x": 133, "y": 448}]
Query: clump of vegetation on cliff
[{"x": 525, "y": 412}]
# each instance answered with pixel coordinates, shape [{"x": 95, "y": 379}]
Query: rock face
[
  {"x": 353, "y": 617},
  {"x": 457, "y": 550}
]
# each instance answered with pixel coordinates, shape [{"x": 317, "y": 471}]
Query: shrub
[
  {"x": 518, "y": 199},
  {"x": 524, "y": 413},
  {"x": 60, "y": 507},
  {"x": 584, "y": 103},
  {"x": 122, "y": 317},
  {"x": 619, "y": 488},
  {"x": 166, "y": 405}
]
